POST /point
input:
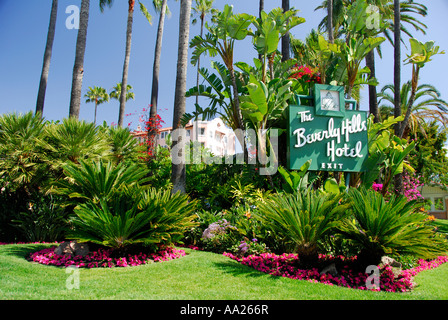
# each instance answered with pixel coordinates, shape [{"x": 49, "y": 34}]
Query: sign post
[{"x": 331, "y": 136}]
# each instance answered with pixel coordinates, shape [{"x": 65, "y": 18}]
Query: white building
[
  {"x": 438, "y": 199},
  {"x": 213, "y": 135}
]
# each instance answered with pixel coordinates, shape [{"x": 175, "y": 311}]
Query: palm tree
[
  {"x": 397, "y": 64},
  {"x": 386, "y": 8},
  {"x": 78, "y": 69},
  {"x": 124, "y": 81},
  {"x": 220, "y": 40},
  {"x": 330, "y": 29},
  {"x": 47, "y": 58},
  {"x": 426, "y": 96},
  {"x": 285, "y": 39},
  {"x": 162, "y": 8},
  {"x": 203, "y": 7},
  {"x": 421, "y": 53},
  {"x": 98, "y": 96},
  {"x": 178, "y": 170},
  {"x": 116, "y": 92}
]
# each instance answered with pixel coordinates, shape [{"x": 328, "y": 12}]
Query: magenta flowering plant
[
  {"x": 219, "y": 236},
  {"x": 411, "y": 185},
  {"x": 285, "y": 265},
  {"x": 104, "y": 258},
  {"x": 246, "y": 248}
]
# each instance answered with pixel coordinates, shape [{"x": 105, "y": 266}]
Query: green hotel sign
[{"x": 332, "y": 137}]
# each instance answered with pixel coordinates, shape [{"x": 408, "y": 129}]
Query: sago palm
[
  {"x": 134, "y": 216},
  {"x": 96, "y": 181},
  {"x": 303, "y": 218},
  {"x": 380, "y": 227}
]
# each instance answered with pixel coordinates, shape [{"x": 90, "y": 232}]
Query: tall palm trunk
[
  {"x": 124, "y": 82},
  {"x": 155, "y": 80},
  {"x": 373, "y": 96},
  {"x": 228, "y": 60},
  {"x": 397, "y": 82},
  {"x": 261, "y": 8},
  {"x": 96, "y": 108},
  {"x": 330, "y": 21},
  {"x": 78, "y": 69},
  {"x": 285, "y": 39},
  {"x": 47, "y": 58},
  {"x": 199, "y": 58},
  {"x": 178, "y": 170}
]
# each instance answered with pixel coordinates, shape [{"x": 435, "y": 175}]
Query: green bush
[
  {"x": 378, "y": 227},
  {"x": 98, "y": 180},
  {"x": 303, "y": 218},
  {"x": 133, "y": 216},
  {"x": 45, "y": 220},
  {"x": 37, "y": 155},
  {"x": 219, "y": 236}
]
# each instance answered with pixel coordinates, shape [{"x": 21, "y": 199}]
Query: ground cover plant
[
  {"x": 197, "y": 275},
  {"x": 72, "y": 180},
  {"x": 286, "y": 266},
  {"x": 104, "y": 258}
]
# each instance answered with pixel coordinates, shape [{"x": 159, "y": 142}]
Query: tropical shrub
[
  {"x": 123, "y": 146},
  {"x": 98, "y": 180},
  {"x": 74, "y": 141},
  {"x": 45, "y": 220},
  {"x": 133, "y": 216},
  {"x": 23, "y": 170},
  {"x": 248, "y": 247},
  {"x": 159, "y": 167},
  {"x": 378, "y": 227},
  {"x": 22, "y": 162},
  {"x": 219, "y": 236},
  {"x": 303, "y": 218}
]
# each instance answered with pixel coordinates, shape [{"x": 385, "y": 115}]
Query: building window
[
  {"x": 434, "y": 203},
  {"x": 201, "y": 131},
  {"x": 188, "y": 133},
  {"x": 439, "y": 204}
]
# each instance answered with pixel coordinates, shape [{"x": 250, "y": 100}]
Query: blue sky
[{"x": 23, "y": 32}]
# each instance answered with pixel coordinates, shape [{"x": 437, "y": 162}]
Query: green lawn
[{"x": 197, "y": 276}]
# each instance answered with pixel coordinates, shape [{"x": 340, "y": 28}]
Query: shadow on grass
[
  {"x": 23, "y": 250},
  {"x": 237, "y": 270}
]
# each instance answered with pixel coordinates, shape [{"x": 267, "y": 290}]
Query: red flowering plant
[
  {"x": 306, "y": 76},
  {"x": 151, "y": 126},
  {"x": 284, "y": 265}
]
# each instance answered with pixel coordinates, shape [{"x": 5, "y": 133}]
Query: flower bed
[
  {"x": 102, "y": 258},
  {"x": 284, "y": 265}
]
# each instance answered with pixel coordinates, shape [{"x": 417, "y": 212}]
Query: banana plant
[
  {"x": 421, "y": 53},
  {"x": 387, "y": 153},
  {"x": 270, "y": 27},
  {"x": 297, "y": 180},
  {"x": 352, "y": 53},
  {"x": 220, "y": 40},
  {"x": 219, "y": 93},
  {"x": 264, "y": 105}
]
